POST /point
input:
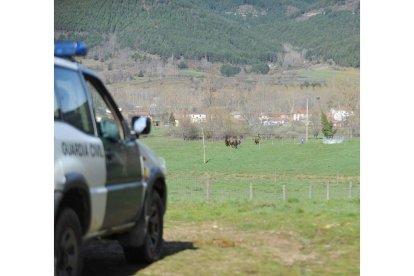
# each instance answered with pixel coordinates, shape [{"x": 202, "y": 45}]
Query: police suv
[{"x": 107, "y": 183}]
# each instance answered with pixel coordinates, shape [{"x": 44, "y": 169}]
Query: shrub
[
  {"x": 182, "y": 65},
  {"x": 260, "y": 68},
  {"x": 136, "y": 57},
  {"x": 229, "y": 71}
]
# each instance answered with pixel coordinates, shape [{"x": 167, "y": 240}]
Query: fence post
[
  {"x": 275, "y": 176},
  {"x": 204, "y": 146},
  {"x": 350, "y": 189},
  {"x": 251, "y": 191},
  {"x": 208, "y": 188},
  {"x": 284, "y": 192},
  {"x": 310, "y": 191},
  {"x": 337, "y": 177},
  {"x": 327, "y": 191}
]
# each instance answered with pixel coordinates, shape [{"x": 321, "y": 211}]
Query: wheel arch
[
  {"x": 157, "y": 183},
  {"x": 76, "y": 196}
]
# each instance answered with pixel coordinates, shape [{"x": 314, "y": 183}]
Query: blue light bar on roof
[{"x": 70, "y": 48}]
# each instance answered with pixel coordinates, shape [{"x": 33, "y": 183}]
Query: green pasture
[
  {"x": 191, "y": 73},
  {"x": 293, "y": 238},
  {"x": 298, "y": 236},
  {"x": 325, "y": 74},
  {"x": 328, "y": 230},
  {"x": 281, "y": 158}
]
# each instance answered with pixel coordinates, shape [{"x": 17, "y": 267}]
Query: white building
[
  {"x": 198, "y": 118},
  {"x": 299, "y": 116},
  {"x": 340, "y": 115}
]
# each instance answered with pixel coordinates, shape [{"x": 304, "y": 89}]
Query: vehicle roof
[
  {"x": 74, "y": 66},
  {"x": 66, "y": 63}
]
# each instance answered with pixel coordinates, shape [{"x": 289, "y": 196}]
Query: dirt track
[{"x": 206, "y": 245}]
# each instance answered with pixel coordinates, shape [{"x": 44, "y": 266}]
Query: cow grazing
[
  {"x": 257, "y": 140},
  {"x": 227, "y": 141},
  {"x": 234, "y": 142}
]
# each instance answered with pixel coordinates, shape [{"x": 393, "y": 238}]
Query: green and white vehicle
[{"x": 107, "y": 184}]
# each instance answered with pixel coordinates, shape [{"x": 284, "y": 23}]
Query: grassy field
[
  {"x": 296, "y": 237},
  {"x": 191, "y": 73},
  {"x": 326, "y": 73},
  {"x": 285, "y": 157}
]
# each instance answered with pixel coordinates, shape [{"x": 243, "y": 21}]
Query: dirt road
[{"x": 205, "y": 248}]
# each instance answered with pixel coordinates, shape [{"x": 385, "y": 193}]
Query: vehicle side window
[
  {"x": 72, "y": 98},
  {"x": 108, "y": 125},
  {"x": 57, "y": 111}
]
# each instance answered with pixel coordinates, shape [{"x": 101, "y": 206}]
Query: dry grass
[{"x": 224, "y": 250}]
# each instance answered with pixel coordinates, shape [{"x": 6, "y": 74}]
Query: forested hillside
[{"x": 232, "y": 31}]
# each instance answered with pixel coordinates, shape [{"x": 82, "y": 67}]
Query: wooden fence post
[
  {"x": 204, "y": 147},
  {"x": 327, "y": 191},
  {"x": 350, "y": 189},
  {"x": 251, "y": 191},
  {"x": 284, "y": 192}
]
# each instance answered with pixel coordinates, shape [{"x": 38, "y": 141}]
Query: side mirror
[{"x": 141, "y": 124}]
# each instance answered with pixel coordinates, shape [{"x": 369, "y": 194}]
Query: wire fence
[{"x": 207, "y": 188}]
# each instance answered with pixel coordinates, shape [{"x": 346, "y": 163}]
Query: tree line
[{"x": 195, "y": 29}]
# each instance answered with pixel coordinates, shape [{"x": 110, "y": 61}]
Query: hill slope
[{"x": 230, "y": 31}]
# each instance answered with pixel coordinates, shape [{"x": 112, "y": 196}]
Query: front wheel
[
  {"x": 150, "y": 251},
  {"x": 68, "y": 241}
]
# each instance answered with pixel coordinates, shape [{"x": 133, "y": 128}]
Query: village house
[
  {"x": 299, "y": 115},
  {"x": 338, "y": 117},
  {"x": 274, "y": 119},
  {"x": 194, "y": 117},
  {"x": 198, "y": 118}
]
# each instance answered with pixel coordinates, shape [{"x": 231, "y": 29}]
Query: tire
[
  {"x": 68, "y": 243},
  {"x": 150, "y": 251}
]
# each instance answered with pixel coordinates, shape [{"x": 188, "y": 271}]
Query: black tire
[
  {"x": 68, "y": 243},
  {"x": 150, "y": 251}
]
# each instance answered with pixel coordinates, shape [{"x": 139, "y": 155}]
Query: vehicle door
[
  {"x": 124, "y": 183},
  {"x": 78, "y": 151}
]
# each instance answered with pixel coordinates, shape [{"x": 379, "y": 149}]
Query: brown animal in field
[
  {"x": 234, "y": 142},
  {"x": 227, "y": 141},
  {"x": 257, "y": 139}
]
